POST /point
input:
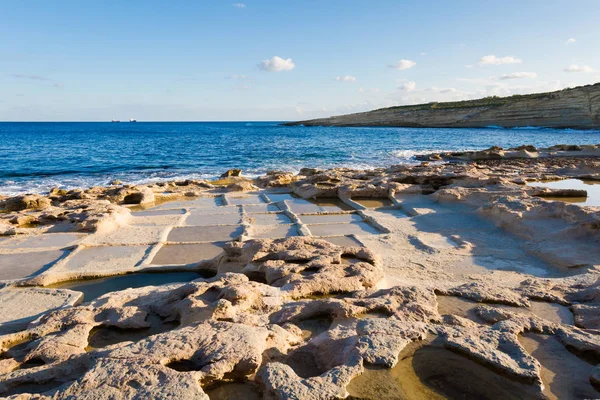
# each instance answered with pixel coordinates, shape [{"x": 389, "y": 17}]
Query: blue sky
[{"x": 282, "y": 60}]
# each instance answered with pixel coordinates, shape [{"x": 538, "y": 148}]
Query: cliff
[{"x": 576, "y": 108}]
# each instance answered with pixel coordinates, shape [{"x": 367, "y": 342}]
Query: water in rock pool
[
  {"x": 592, "y": 188},
  {"x": 94, "y": 288},
  {"x": 428, "y": 372},
  {"x": 84, "y": 154}
]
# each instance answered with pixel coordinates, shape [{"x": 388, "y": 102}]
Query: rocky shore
[
  {"x": 518, "y": 153},
  {"x": 456, "y": 277},
  {"x": 576, "y": 108}
]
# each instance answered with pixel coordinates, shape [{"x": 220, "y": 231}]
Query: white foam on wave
[
  {"x": 44, "y": 185},
  {"x": 410, "y": 155}
]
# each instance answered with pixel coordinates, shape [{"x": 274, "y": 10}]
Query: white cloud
[
  {"x": 403, "y": 64},
  {"x": 570, "y": 41},
  {"x": 240, "y": 77},
  {"x": 518, "y": 75},
  {"x": 277, "y": 64},
  {"x": 408, "y": 86},
  {"x": 239, "y": 5},
  {"x": 493, "y": 60},
  {"x": 59, "y": 85},
  {"x": 423, "y": 54},
  {"x": 448, "y": 90},
  {"x": 347, "y": 78},
  {"x": 241, "y": 87},
  {"x": 579, "y": 68}
]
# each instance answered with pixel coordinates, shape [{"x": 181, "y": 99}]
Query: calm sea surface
[{"x": 35, "y": 157}]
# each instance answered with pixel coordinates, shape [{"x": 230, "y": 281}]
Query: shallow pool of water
[
  {"x": 345, "y": 241},
  {"x": 245, "y": 199},
  {"x": 269, "y": 219},
  {"x": 233, "y": 391},
  {"x": 43, "y": 241},
  {"x": 565, "y": 375},
  {"x": 196, "y": 234},
  {"x": 201, "y": 219},
  {"x": 330, "y": 218},
  {"x": 466, "y": 308},
  {"x": 373, "y": 203},
  {"x": 355, "y": 228},
  {"x": 433, "y": 372},
  {"x": 20, "y": 265},
  {"x": 592, "y": 188},
  {"x": 274, "y": 231},
  {"x": 94, "y": 288},
  {"x": 186, "y": 254}
]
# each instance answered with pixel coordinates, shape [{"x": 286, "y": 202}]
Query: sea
[{"x": 38, "y": 156}]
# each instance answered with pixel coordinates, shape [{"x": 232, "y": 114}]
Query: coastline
[
  {"x": 572, "y": 108},
  {"x": 300, "y": 283},
  {"x": 78, "y": 157}
]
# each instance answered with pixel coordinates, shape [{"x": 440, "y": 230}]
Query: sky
[{"x": 210, "y": 60}]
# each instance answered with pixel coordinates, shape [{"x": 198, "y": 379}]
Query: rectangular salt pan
[
  {"x": 359, "y": 228},
  {"x": 191, "y": 234}
]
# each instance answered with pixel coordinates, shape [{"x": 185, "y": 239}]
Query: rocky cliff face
[{"x": 577, "y": 108}]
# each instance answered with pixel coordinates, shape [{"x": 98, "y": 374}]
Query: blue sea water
[{"x": 35, "y": 157}]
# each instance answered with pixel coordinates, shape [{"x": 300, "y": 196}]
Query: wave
[
  {"x": 37, "y": 157},
  {"x": 411, "y": 154}
]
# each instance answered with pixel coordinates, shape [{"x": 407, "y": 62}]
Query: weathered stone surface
[
  {"x": 587, "y": 315},
  {"x": 276, "y": 179},
  {"x": 281, "y": 382},
  {"x": 281, "y": 262},
  {"x": 231, "y": 172},
  {"x": 241, "y": 186},
  {"x": 139, "y": 195},
  {"x": 301, "y": 317},
  {"x": 25, "y": 202},
  {"x": 20, "y": 306}
]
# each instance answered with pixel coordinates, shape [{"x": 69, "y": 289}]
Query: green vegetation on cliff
[{"x": 490, "y": 101}]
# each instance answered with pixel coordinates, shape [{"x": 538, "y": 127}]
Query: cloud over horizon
[
  {"x": 518, "y": 75},
  {"x": 494, "y": 60},
  {"x": 579, "y": 68},
  {"x": 347, "y": 78},
  {"x": 408, "y": 86},
  {"x": 277, "y": 64}
]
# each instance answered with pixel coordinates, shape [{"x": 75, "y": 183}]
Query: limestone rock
[
  {"x": 241, "y": 186},
  {"x": 26, "y": 202},
  {"x": 231, "y": 172},
  {"x": 141, "y": 195},
  {"x": 276, "y": 179}
]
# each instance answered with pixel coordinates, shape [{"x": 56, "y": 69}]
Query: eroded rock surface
[{"x": 310, "y": 283}]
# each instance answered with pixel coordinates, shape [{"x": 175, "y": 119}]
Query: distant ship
[
  {"x": 115, "y": 120},
  {"x": 132, "y": 120}
]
